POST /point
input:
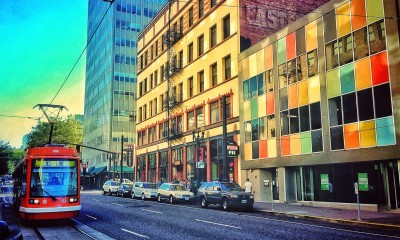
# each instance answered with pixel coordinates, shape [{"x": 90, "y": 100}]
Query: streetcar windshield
[{"x": 54, "y": 178}]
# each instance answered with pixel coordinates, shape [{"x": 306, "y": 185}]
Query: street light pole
[{"x": 224, "y": 137}]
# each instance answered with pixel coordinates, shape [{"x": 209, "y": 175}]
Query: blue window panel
[{"x": 385, "y": 131}]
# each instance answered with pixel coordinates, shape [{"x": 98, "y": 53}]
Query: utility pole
[
  {"x": 122, "y": 157},
  {"x": 224, "y": 137}
]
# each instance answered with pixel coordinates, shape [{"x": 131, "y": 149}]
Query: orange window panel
[
  {"x": 358, "y": 19},
  {"x": 263, "y": 149},
  {"x": 362, "y": 72},
  {"x": 303, "y": 93},
  {"x": 270, "y": 103},
  {"x": 291, "y": 46},
  {"x": 351, "y": 138},
  {"x": 295, "y": 145},
  {"x": 343, "y": 19},
  {"x": 285, "y": 145},
  {"x": 311, "y": 36},
  {"x": 268, "y": 57},
  {"x": 293, "y": 97},
  {"x": 380, "y": 72}
]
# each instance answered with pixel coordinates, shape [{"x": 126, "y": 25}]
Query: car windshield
[
  {"x": 126, "y": 186},
  {"x": 54, "y": 177},
  {"x": 231, "y": 186},
  {"x": 177, "y": 188},
  {"x": 149, "y": 185},
  {"x": 114, "y": 183}
]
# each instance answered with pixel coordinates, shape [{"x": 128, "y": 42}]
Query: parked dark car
[
  {"x": 124, "y": 189},
  {"x": 225, "y": 194}
]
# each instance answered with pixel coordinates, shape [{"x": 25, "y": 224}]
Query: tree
[
  {"x": 65, "y": 131},
  {"x": 5, "y": 154},
  {"x": 16, "y": 157}
]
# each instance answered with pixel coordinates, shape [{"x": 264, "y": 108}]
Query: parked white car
[
  {"x": 144, "y": 190},
  {"x": 173, "y": 192},
  {"x": 110, "y": 187}
]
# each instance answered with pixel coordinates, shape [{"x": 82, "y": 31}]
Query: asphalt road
[{"x": 126, "y": 218}]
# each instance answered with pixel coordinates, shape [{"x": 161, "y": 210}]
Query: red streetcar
[{"x": 47, "y": 183}]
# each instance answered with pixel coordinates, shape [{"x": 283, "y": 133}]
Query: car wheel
[
  {"x": 143, "y": 198},
  {"x": 171, "y": 199},
  {"x": 109, "y": 192},
  {"x": 133, "y": 194},
  {"x": 225, "y": 204},
  {"x": 203, "y": 202},
  {"x": 104, "y": 192},
  {"x": 159, "y": 198}
]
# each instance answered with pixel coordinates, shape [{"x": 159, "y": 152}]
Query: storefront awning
[
  {"x": 125, "y": 169},
  {"x": 90, "y": 170},
  {"x": 98, "y": 170}
]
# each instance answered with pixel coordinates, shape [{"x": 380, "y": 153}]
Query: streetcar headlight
[
  {"x": 34, "y": 201},
  {"x": 72, "y": 200}
]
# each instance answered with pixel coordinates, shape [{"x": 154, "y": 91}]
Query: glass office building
[
  {"x": 110, "y": 86},
  {"x": 320, "y": 107}
]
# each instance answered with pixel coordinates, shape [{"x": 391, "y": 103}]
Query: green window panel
[
  {"x": 347, "y": 78},
  {"x": 305, "y": 140},
  {"x": 333, "y": 83},
  {"x": 254, "y": 108},
  {"x": 385, "y": 131},
  {"x": 281, "y": 49},
  {"x": 374, "y": 10}
]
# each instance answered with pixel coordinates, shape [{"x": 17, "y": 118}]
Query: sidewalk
[{"x": 387, "y": 219}]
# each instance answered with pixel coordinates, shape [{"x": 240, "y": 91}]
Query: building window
[
  {"x": 201, "y": 8},
  {"x": 199, "y": 117},
  {"x": 269, "y": 81},
  {"x": 226, "y": 26},
  {"x": 155, "y": 106},
  {"x": 312, "y": 62},
  {"x": 151, "y": 81},
  {"x": 162, "y": 73},
  {"x": 228, "y": 107},
  {"x": 145, "y": 86},
  {"x": 140, "y": 114},
  {"x": 180, "y": 92},
  {"x": 227, "y": 67},
  {"x": 162, "y": 42},
  {"x": 156, "y": 48},
  {"x": 190, "y": 17},
  {"x": 181, "y": 25},
  {"x": 190, "y": 87},
  {"x": 190, "y": 53},
  {"x": 332, "y": 52},
  {"x": 140, "y": 89},
  {"x": 145, "y": 112},
  {"x": 201, "y": 81},
  {"x": 213, "y": 36},
  {"x": 151, "y": 52},
  {"x": 200, "y": 44},
  {"x": 155, "y": 78},
  {"x": 214, "y": 77},
  {"x": 181, "y": 59},
  {"x": 214, "y": 112},
  {"x": 145, "y": 58},
  {"x": 213, "y": 3},
  {"x": 190, "y": 121}
]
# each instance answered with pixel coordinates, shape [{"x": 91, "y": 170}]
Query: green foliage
[
  {"x": 5, "y": 154},
  {"x": 65, "y": 131},
  {"x": 16, "y": 157}
]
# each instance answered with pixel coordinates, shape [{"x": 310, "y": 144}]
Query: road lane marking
[
  {"x": 152, "y": 211},
  {"x": 91, "y": 217},
  {"x": 137, "y": 234},
  {"x": 97, "y": 200},
  {"x": 220, "y": 224},
  {"x": 118, "y": 204}
]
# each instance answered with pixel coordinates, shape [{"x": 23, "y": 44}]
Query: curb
[{"x": 333, "y": 220}]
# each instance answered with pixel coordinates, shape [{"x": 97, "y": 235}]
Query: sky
[{"x": 40, "y": 41}]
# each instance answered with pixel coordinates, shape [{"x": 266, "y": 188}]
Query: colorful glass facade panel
[
  {"x": 311, "y": 36},
  {"x": 291, "y": 46},
  {"x": 374, "y": 10},
  {"x": 358, "y": 18},
  {"x": 351, "y": 139},
  {"x": 362, "y": 71},
  {"x": 367, "y": 134},
  {"x": 380, "y": 71},
  {"x": 343, "y": 19},
  {"x": 347, "y": 78}
]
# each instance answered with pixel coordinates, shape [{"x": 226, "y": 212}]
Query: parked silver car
[
  {"x": 173, "y": 192},
  {"x": 144, "y": 190}
]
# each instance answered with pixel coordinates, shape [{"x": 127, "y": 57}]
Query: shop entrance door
[{"x": 393, "y": 185}]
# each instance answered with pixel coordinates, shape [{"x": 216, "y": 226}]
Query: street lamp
[{"x": 198, "y": 138}]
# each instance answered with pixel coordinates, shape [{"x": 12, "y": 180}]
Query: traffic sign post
[{"x": 358, "y": 201}]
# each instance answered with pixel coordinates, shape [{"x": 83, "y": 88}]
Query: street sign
[
  {"x": 325, "y": 182},
  {"x": 201, "y": 164},
  {"x": 363, "y": 181}
]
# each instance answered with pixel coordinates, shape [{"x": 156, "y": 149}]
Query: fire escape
[{"x": 173, "y": 67}]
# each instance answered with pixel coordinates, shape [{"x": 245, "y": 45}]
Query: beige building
[{"x": 187, "y": 64}]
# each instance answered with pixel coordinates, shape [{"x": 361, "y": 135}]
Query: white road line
[
  {"x": 91, "y": 217},
  {"x": 152, "y": 211},
  {"x": 218, "y": 224},
  {"x": 118, "y": 204},
  {"x": 137, "y": 234},
  {"x": 97, "y": 200}
]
